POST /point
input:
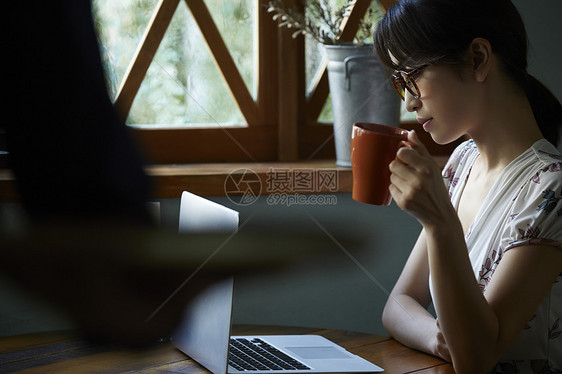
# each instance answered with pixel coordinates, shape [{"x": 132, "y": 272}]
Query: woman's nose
[{"x": 411, "y": 103}]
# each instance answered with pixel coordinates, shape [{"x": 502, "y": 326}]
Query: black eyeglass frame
[{"x": 408, "y": 83}]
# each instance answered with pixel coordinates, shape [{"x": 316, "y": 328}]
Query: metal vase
[{"x": 361, "y": 91}]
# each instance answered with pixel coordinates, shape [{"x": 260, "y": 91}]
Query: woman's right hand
[{"x": 417, "y": 185}]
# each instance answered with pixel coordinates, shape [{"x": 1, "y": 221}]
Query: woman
[{"x": 489, "y": 256}]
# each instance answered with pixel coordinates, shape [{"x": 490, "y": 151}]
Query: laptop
[{"x": 204, "y": 334}]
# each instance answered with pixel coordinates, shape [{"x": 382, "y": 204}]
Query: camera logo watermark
[
  {"x": 283, "y": 186},
  {"x": 243, "y": 187}
]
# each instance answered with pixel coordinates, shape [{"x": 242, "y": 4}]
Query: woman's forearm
[
  {"x": 468, "y": 323},
  {"x": 408, "y": 322}
]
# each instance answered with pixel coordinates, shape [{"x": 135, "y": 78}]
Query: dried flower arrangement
[{"x": 321, "y": 21}]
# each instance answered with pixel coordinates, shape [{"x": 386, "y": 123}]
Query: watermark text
[{"x": 298, "y": 199}]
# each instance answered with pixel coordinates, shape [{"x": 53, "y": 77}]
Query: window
[
  {"x": 180, "y": 88},
  {"x": 216, "y": 80}
]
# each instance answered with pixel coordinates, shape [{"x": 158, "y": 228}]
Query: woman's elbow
[{"x": 387, "y": 318}]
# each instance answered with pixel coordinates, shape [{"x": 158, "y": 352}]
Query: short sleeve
[
  {"x": 454, "y": 165},
  {"x": 536, "y": 215}
]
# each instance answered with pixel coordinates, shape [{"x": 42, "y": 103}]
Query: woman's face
[{"x": 447, "y": 104}]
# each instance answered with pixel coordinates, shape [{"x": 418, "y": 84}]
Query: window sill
[
  {"x": 169, "y": 181},
  {"x": 274, "y": 177}
]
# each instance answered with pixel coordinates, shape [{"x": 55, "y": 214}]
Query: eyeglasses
[{"x": 406, "y": 80}]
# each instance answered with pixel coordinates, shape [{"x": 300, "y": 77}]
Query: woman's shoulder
[
  {"x": 548, "y": 163},
  {"x": 547, "y": 153},
  {"x": 536, "y": 213}
]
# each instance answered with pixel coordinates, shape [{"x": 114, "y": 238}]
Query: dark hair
[{"x": 420, "y": 32}]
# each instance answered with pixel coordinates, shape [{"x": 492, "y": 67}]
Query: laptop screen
[{"x": 205, "y": 331}]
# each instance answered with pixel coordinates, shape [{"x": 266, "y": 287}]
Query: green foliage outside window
[{"x": 183, "y": 85}]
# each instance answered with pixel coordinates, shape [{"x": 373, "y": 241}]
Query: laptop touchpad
[{"x": 318, "y": 352}]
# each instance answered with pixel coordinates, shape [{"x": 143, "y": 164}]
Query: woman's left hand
[
  {"x": 441, "y": 347},
  {"x": 417, "y": 185}
]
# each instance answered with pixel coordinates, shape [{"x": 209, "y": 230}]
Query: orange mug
[{"x": 373, "y": 147}]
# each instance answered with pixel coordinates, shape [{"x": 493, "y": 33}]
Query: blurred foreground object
[{"x": 127, "y": 285}]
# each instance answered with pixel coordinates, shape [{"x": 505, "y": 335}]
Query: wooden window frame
[
  {"x": 281, "y": 123},
  {"x": 283, "y": 129}
]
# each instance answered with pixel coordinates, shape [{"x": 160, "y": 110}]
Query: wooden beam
[
  {"x": 225, "y": 144},
  {"x": 143, "y": 57},
  {"x": 268, "y": 66},
  {"x": 318, "y": 94},
  {"x": 291, "y": 90},
  {"x": 224, "y": 60},
  {"x": 350, "y": 25}
]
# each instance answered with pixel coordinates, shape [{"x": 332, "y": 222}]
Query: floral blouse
[{"x": 523, "y": 207}]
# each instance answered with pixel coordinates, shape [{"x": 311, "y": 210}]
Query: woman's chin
[{"x": 442, "y": 139}]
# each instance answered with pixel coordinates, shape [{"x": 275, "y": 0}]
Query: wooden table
[{"x": 61, "y": 352}]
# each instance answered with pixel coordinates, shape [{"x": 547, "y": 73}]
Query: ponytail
[{"x": 546, "y": 108}]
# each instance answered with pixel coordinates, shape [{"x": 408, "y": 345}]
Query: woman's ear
[{"x": 480, "y": 55}]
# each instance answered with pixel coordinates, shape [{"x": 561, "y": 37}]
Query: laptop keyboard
[{"x": 255, "y": 354}]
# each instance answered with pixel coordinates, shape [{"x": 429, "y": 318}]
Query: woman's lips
[{"x": 425, "y": 122}]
